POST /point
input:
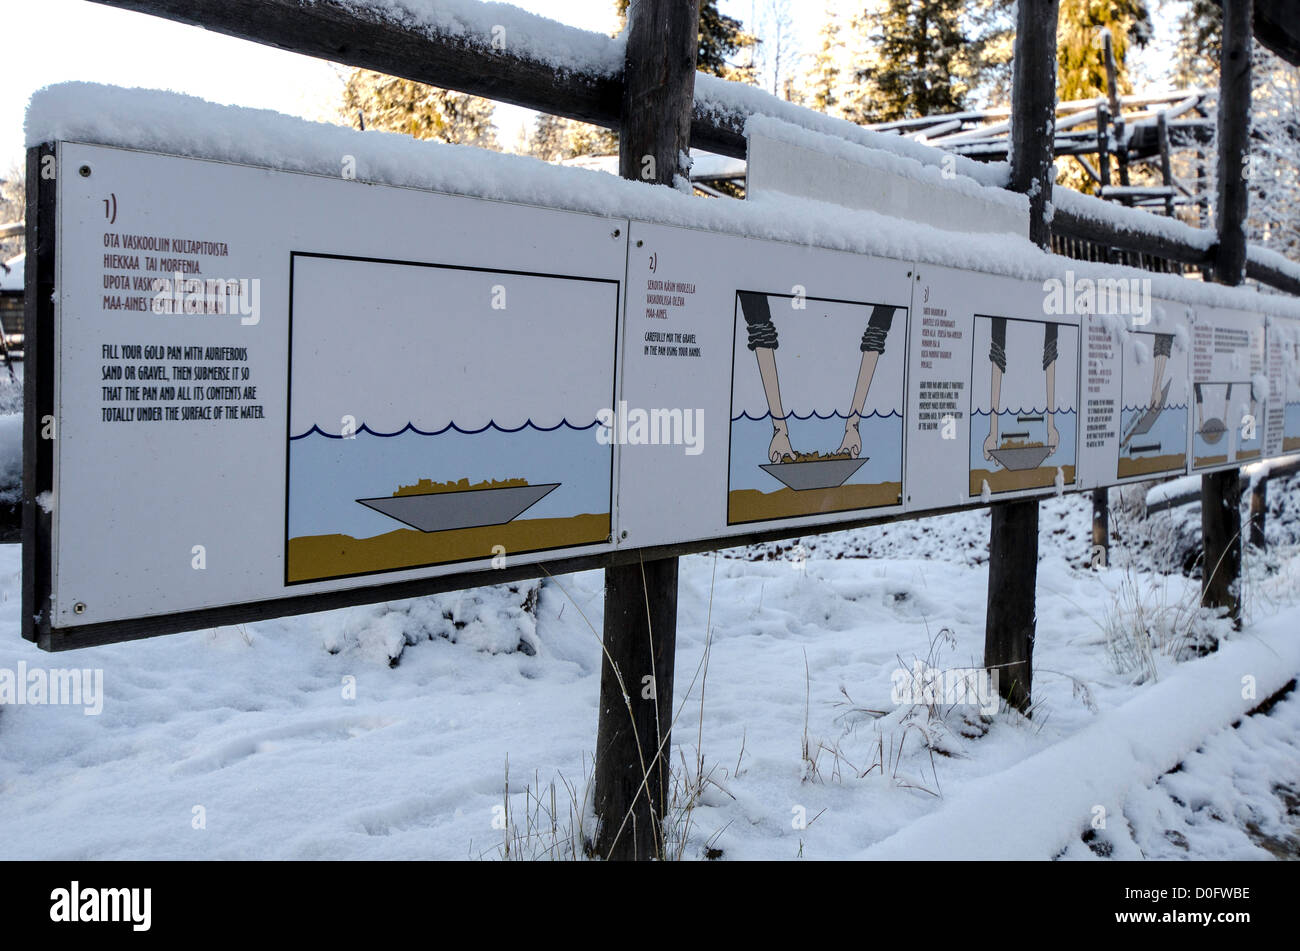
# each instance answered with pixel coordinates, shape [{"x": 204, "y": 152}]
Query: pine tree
[
  {"x": 425, "y": 112},
  {"x": 823, "y": 79},
  {"x": 992, "y": 45},
  {"x": 1080, "y": 62},
  {"x": 1200, "y": 33},
  {"x": 920, "y": 63},
  {"x": 554, "y": 139}
]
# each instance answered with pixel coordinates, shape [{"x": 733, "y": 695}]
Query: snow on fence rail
[{"x": 501, "y": 52}]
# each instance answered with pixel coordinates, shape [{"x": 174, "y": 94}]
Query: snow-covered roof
[
  {"x": 176, "y": 124},
  {"x": 11, "y": 275}
]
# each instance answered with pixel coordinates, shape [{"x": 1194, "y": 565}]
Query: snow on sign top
[
  {"x": 174, "y": 124},
  {"x": 506, "y": 28}
]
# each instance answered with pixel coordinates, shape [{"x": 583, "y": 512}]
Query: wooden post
[
  {"x": 1166, "y": 165},
  {"x": 1116, "y": 112},
  {"x": 1221, "y": 491},
  {"x": 1103, "y": 143},
  {"x": 1258, "y": 511},
  {"x": 633, "y": 737},
  {"x": 1013, "y": 537},
  {"x": 1234, "y": 141},
  {"x": 1100, "y": 556}
]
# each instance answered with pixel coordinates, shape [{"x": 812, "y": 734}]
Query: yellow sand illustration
[
  {"x": 1145, "y": 465},
  {"x": 315, "y": 557},
  {"x": 1200, "y": 461},
  {"x": 1009, "y": 480},
  {"x": 751, "y": 505}
]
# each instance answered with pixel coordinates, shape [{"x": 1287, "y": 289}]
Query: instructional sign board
[
  {"x": 787, "y": 365},
  {"x": 993, "y": 410},
  {"x": 256, "y": 392},
  {"x": 1283, "y": 355},
  {"x": 273, "y": 384},
  {"x": 1229, "y": 388},
  {"x": 1135, "y": 395}
]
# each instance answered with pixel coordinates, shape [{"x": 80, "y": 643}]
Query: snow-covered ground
[{"x": 247, "y": 743}]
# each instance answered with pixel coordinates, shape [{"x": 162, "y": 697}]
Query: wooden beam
[
  {"x": 360, "y": 36},
  {"x": 337, "y": 31},
  {"x": 1234, "y": 141},
  {"x": 1221, "y": 491},
  {"x": 634, "y": 733},
  {"x": 1010, "y": 618}
]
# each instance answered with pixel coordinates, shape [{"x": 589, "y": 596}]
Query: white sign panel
[
  {"x": 1283, "y": 338},
  {"x": 788, "y": 366},
  {"x": 366, "y": 401},
  {"x": 993, "y": 406},
  {"x": 1135, "y": 388},
  {"x": 1229, "y": 388}
]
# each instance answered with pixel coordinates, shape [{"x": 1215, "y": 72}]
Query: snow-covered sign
[
  {"x": 1136, "y": 393},
  {"x": 264, "y": 391},
  {"x": 273, "y": 384}
]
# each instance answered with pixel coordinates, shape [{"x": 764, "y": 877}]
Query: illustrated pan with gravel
[
  {"x": 1023, "y": 404},
  {"x": 441, "y": 506},
  {"x": 405, "y": 456},
  {"x": 829, "y": 349}
]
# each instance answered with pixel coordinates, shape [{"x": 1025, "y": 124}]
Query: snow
[
  {"x": 1270, "y": 258},
  {"x": 506, "y": 28},
  {"x": 11, "y": 274},
  {"x": 1033, "y": 809},
  {"x": 1121, "y": 216},
  {"x": 184, "y": 125},
  {"x": 730, "y": 100},
  {"x": 384, "y": 731}
]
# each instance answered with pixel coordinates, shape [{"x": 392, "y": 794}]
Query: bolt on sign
[{"x": 255, "y": 392}]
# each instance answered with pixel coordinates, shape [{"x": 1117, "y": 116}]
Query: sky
[
  {"x": 50, "y": 41},
  {"x": 101, "y": 44}
]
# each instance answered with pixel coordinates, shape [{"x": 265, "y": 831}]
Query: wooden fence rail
[{"x": 367, "y": 38}]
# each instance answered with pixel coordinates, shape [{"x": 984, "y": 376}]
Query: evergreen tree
[
  {"x": 1200, "y": 33},
  {"x": 918, "y": 62},
  {"x": 555, "y": 138},
  {"x": 992, "y": 45},
  {"x": 824, "y": 77},
  {"x": 1080, "y": 62},
  {"x": 425, "y": 112}
]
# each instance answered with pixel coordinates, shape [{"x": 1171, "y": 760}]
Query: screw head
[
  {"x": 624, "y": 535},
  {"x": 639, "y": 243},
  {"x": 79, "y": 608},
  {"x": 617, "y": 232},
  {"x": 85, "y": 171}
]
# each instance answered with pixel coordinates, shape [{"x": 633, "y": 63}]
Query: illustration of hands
[
  {"x": 780, "y": 447},
  {"x": 852, "y": 441}
]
